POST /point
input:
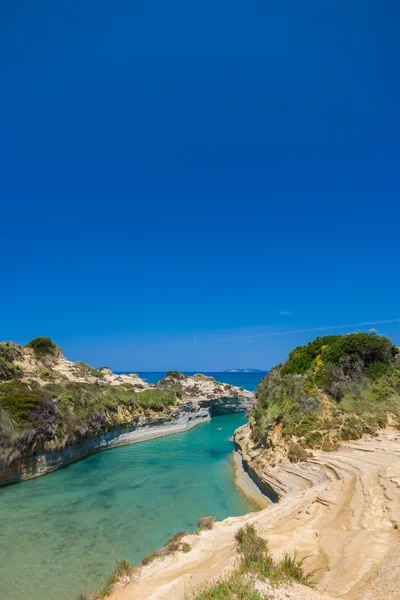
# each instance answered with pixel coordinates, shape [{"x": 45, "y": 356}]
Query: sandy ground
[{"x": 341, "y": 510}]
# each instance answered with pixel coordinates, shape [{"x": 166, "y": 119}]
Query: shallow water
[{"x": 60, "y": 534}]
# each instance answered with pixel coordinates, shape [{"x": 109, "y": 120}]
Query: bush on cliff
[
  {"x": 175, "y": 375},
  {"x": 8, "y": 370},
  {"x": 335, "y": 388},
  {"x": 9, "y": 351},
  {"x": 43, "y": 346},
  {"x": 81, "y": 369}
]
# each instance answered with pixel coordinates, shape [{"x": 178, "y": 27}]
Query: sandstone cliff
[{"x": 54, "y": 411}]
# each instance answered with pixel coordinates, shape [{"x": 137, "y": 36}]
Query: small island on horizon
[{"x": 245, "y": 371}]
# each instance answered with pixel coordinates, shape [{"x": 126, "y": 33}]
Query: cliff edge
[{"x": 54, "y": 411}]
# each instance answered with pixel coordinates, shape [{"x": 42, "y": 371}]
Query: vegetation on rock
[
  {"x": 48, "y": 402},
  {"x": 122, "y": 569},
  {"x": 8, "y": 371},
  {"x": 37, "y": 417},
  {"x": 43, "y": 346},
  {"x": 334, "y": 388},
  {"x": 256, "y": 565},
  {"x": 8, "y": 353},
  {"x": 175, "y": 375},
  {"x": 205, "y": 523}
]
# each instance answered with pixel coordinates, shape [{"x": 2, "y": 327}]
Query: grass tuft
[
  {"x": 123, "y": 568},
  {"x": 293, "y": 569},
  {"x": 205, "y": 523},
  {"x": 256, "y": 563}
]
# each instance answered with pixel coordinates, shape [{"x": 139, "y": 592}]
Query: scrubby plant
[
  {"x": 81, "y": 369},
  {"x": 293, "y": 569},
  {"x": 42, "y": 346},
  {"x": 50, "y": 416},
  {"x": 9, "y": 351},
  {"x": 146, "y": 560},
  {"x": 296, "y": 453},
  {"x": 155, "y": 399},
  {"x": 205, "y": 523},
  {"x": 122, "y": 569},
  {"x": 48, "y": 375},
  {"x": 175, "y": 375},
  {"x": 8, "y": 370},
  {"x": 377, "y": 369},
  {"x": 256, "y": 563},
  {"x": 20, "y": 400},
  {"x": 232, "y": 588},
  {"x": 253, "y": 549},
  {"x": 173, "y": 544},
  {"x": 176, "y": 537},
  {"x": 302, "y": 357},
  {"x": 335, "y": 388}
]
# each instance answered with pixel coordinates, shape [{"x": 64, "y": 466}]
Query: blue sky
[{"x": 225, "y": 168}]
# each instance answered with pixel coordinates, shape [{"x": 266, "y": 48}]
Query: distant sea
[{"x": 248, "y": 381}]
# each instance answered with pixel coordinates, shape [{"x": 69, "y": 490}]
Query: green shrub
[
  {"x": 176, "y": 375},
  {"x": 344, "y": 376},
  {"x": 146, "y": 560},
  {"x": 301, "y": 359},
  {"x": 122, "y": 569},
  {"x": 176, "y": 537},
  {"x": 378, "y": 368},
  {"x": 256, "y": 563},
  {"x": 366, "y": 346},
  {"x": 232, "y": 588},
  {"x": 156, "y": 399},
  {"x": 48, "y": 375},
  {"x": 253, "y": 549},
  {"x": 42, "y": 346},
  {"x": 20, "y": 400},
  {"x": 81, "y": 369},
  {"x": 9, "y": 371},
  {"x": 9, "y": 351}
]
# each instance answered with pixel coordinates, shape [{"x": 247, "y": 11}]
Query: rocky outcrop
[
  {"x": 177, "y": 419},
  {"x": 273, "y": 472}
]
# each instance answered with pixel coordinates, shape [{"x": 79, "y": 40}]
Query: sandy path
[{"x": 345, "y": 516}]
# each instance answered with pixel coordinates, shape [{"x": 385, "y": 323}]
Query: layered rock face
[{"x": 55, "y": 411}]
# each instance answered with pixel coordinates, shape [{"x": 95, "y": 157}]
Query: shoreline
[
  {"x": 48, "y": 462},
  {"x": 246, "y": 485},
  {"x": 340, "y": 511},
  {"x": 112, "y": 416}
]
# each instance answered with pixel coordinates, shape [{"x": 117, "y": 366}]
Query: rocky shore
[
  {"x": 341, "y": 510},
  {"x": 86, "y": 410}
]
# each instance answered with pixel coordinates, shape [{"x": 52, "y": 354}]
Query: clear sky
[{"x": 223, "y": 168}]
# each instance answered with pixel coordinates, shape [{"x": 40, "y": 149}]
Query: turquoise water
[
  {"x": 248, "y": 381},
  {"x": 60, "y": 534}
]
